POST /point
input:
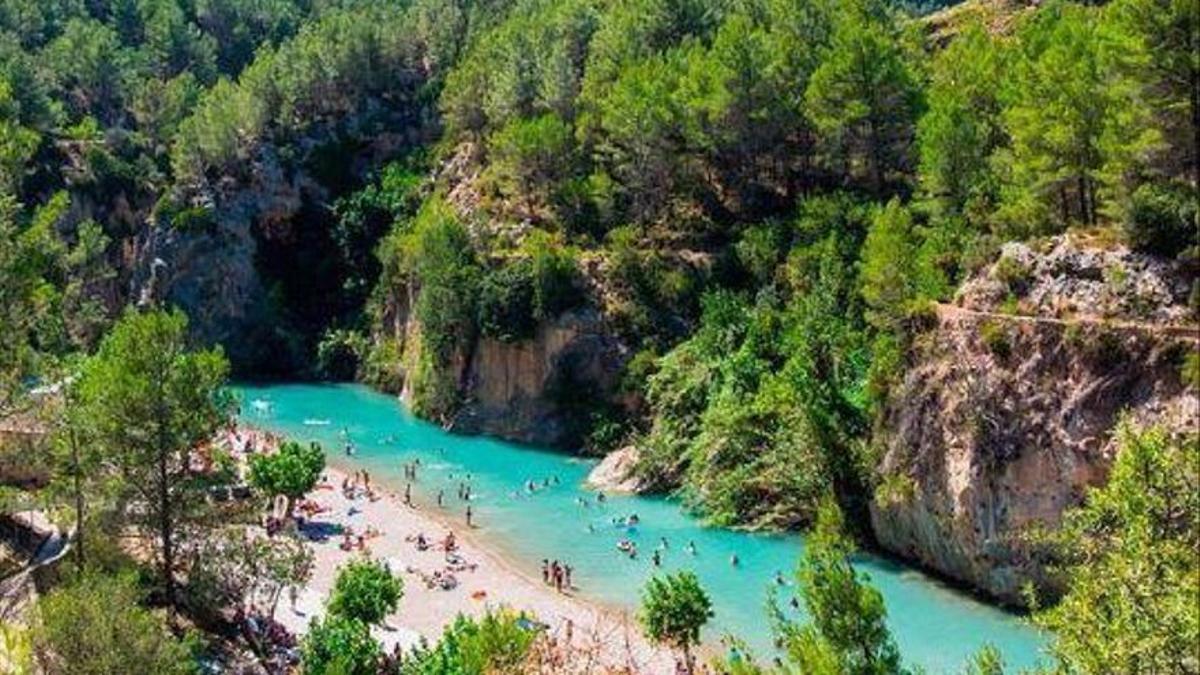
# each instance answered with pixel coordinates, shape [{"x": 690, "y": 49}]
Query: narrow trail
[{"x": 1190, "y": 333}]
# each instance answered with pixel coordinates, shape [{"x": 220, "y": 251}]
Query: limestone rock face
[
  {"x": 615, "y": 472},
  {"x": 528, "y": 391},
  {"x": 1002, "y": 422},
  {"x": 210, "y": 271}
]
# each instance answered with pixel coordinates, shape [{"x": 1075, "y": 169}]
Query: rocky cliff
[
  {"x": 538, "y": 390},
  {"x": 1006, "y": 413}
]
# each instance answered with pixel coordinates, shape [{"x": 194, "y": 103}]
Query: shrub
[
  {"x": 339, "y": 354},
  {"x": 494, "y": 643},
  {"x": 995, "y": 338},
  {"x": 1163, "y": 218},
  {"x": 340, "y": 645},
  {"x": 506, "y": 302},
  {"x": 1189, "y": 374},
  {"x": 1013, "y": 273},
  {"x": 674, "y": 609},
  {"x": 96, "y": 625},
  {"x": 292, "y": 471},
  {"x": 366, "y": 591}
]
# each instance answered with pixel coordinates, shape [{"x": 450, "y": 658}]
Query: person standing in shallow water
[{"x": 469, "y": 516}]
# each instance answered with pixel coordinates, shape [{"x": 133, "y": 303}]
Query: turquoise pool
[{"x": 937, "y": 627}]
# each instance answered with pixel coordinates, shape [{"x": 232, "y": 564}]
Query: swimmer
[
  {"x": 733, "y": 560},
  {"x": 691, "y": 547}
]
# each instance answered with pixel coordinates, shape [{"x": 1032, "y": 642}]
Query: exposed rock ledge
[
  {"x": 615, "y": 472},
  {"x": 1003, "y": 423}
]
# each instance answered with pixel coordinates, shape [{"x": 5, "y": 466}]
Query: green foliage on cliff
[
  {"x": 848, "y": 632},
  {"x": 1129, "y": 555}
]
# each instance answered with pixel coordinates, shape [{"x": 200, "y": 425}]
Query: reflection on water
[{"x": 531, "y": 504}]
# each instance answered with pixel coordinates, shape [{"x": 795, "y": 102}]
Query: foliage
[
  {"x": 340, "y": 645},
  {"x": 674, "y": 609},
  {"x": 292, "y": 471},
  {"x": 240, "y": 568},
  {"x": 864, "y": 97},
  {"x": 848, "y": 632},
  {"x": 1163, "y": 219},
  {"x": 150, "y": 401},
  {"x": 1130, "y": 555},
  {"x": 96, "y": 625},
  {"x": 497, "y": 642},
  {"x": 365, "y": 591}
]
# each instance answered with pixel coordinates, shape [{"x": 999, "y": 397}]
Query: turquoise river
[{"x": 937, "y": 627}]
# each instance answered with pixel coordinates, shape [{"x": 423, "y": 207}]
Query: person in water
[
  {"x": 733, "y": 560},
  {"x": 691, "y": 547},
  {"x": 656, "y": 558}
]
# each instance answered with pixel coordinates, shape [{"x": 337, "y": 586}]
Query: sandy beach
[{"x": 600, "y": 639}]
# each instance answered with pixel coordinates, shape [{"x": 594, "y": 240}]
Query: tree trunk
[
  {"x": 164, "y": 524},
  {"x": 165, "y": 528},
  {"x": 77, "y": 484}
]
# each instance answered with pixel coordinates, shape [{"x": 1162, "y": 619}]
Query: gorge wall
[
  {"x": 1006, "y": 413},
  {"x": 537, "y": 390}
]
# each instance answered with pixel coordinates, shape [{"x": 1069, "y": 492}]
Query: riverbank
[
  {"x": 936, "y": 626},
  {"x": 606, "y": 639}
]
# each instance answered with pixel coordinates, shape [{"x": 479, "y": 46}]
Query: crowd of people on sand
[
  {"x": 446, "y": 577},
  {"x": 557, "y": 574}
]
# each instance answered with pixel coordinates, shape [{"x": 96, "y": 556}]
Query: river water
[{"x": 937, "y": 627}]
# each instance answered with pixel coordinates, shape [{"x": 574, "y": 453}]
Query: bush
[
  {"x": 339, "y": 354},
  {"x": 995, "y": 338},
  {"x": 1163, "y": 219},
  {"x": 292, "y": 471},
  {"x": 674, "y": 609},
  {"x": 1013, "y": 273},
  {"x": 1189, "y": 374},
  {"x": 340, "y": 645},
  {"x": 494, "y": 643},
  {"x": 365, "y": 590},
  {"x": 506, "y": 302},
  {"x": 96, "y": 625}
]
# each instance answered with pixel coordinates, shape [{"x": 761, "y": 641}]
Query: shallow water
[{"x": 936, "y": 627}]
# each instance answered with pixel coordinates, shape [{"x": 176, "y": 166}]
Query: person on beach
[
  {"x": 469, "y": 516},
  {"x": 408, "y": 494},
  {"x": 545, "y": 571},
  {"x": 440, "y": 493},
  {"x": 567, "y": 577}
]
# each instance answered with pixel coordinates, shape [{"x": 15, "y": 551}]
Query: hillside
[{"x": 924, "y": 271}]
